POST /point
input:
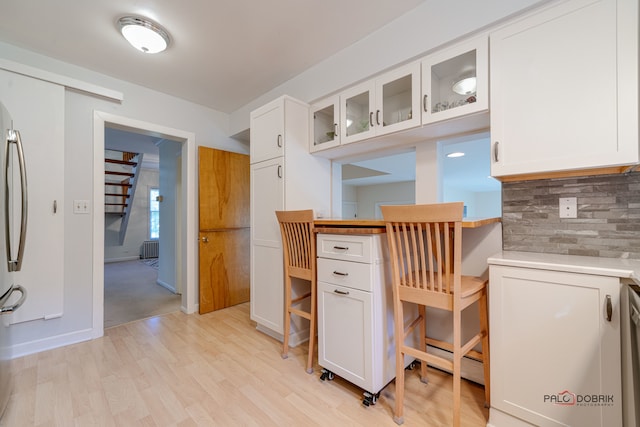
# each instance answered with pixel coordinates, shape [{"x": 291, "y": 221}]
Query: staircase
[{"x": 120, "y": 180}]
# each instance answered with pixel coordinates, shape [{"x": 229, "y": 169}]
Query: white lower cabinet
[
  {"x": 355, "y": 310},
  {"x": 555, "y": 348}
]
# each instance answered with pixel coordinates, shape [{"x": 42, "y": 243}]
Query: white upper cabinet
[
  {"x": 455, "y": 81},
  {"x": 325, "y": 116},
  {"x": 267, "y": 131},
  {"x": 380, "y": 106},
  {"x": 564, "y": 89}
]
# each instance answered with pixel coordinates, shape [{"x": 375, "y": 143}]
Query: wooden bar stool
[
  {"x": 425, "y": 246},
  {"x": 299, "y": 246}
]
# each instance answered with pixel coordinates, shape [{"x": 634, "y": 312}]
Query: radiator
[{"x": 149, "y": 249}]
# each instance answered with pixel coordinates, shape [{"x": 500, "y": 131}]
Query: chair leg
[
  {"x": 399, "y": 341},
  {"x": 457, "y": 360},
  {"x": 486, "y": 360},
  {"x": 423, "y": 343},
  {"x": 287, "y": 316},
  {"x": 312, "y": 328}
]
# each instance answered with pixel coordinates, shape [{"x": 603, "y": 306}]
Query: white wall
[
  {"x": 480, "y": 204},
  {"x": 369, "y": 196},
  {"x": 210, "y": 128},
  {"x": 138, "y": 228},
  {"x": 427, "y": 27},
  {"x": 169, "y": 156}
]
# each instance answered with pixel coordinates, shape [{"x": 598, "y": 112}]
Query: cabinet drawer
[
  {"x": 345, "y": 247},
  {"x": 350, "y": 274}
]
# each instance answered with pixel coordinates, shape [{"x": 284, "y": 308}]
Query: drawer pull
[
  {"x": 340, "y": 292},
  {"x": 341, "y": 248},
  {"x": 338, "y": 273}
]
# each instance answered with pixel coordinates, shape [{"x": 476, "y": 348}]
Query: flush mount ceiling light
[
  {"x": 144, "y": 35},
  {"x": 465, "y": 86}
]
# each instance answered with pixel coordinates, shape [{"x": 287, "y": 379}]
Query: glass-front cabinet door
[
  {"x": 455, "y": 81},
  {"x": 398, "y": 99},
  {"x": 382, "y": 105},
  {"x": 325, "y": 116},
  {"x": 357, "y": 113}
]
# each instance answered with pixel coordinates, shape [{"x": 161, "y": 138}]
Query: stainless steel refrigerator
[{"x": 13, "y": 228}]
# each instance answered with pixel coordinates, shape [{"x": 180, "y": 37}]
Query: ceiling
[{"x": 223, "y": 54}]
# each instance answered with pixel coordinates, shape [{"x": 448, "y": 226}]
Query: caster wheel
[
  {"x": 327, "y": 375},
  {"x": 370, "y": 399}
]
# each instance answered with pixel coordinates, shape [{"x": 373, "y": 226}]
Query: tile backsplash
[{"x": 607, "y": 223}]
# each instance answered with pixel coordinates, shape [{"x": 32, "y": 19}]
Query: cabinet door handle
[
  {"x": 378, "y": 117},
  {"x": 496, "y": 156},
  {"x": 609, "y": 308},
  {"x": 339, "y": 273},
  {"x": 280, "y": 140},
  {"x": 341, "y": 248},
  {"x": 424, "y": 103},
  {"x": 279, "y": 171},
  {"x": 337, "y": 291},
  {"x": 371, "y": 118}
]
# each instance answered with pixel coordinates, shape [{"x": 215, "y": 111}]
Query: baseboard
[
  {"x": 269, "y": 332},
  {"x": 295, "y": 339},
  {"x": 471, "y": 369},
  {"x": 130, "y": 258},
  {"x": 166, "y": 286},
  {"x": 36, "y": 346}
]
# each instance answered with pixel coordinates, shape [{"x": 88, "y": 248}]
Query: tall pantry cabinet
[{"x": 284, "y": 176}]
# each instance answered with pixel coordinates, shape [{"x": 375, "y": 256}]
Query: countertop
[
  {"x": 325, "y": 225},
  {"x": 614, "y": 267}
]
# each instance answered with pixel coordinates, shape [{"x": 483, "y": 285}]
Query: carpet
[
  {"x": 151, "y": 262},
  {"x": 131, "y": 293}
]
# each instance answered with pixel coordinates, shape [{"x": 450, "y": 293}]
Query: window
[{"x": 154, "y": 213}]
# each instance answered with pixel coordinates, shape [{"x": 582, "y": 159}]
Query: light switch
[{"x": 568, "y": 207}]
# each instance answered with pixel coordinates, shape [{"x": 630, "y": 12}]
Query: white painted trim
[
  {"x": 67, "y": 82},
  {"x": 189, "y": 208},
  {"x": 32, "y": 347},
  {"x": 121, "y": 259},
  {"x": 166, "y": 286}
]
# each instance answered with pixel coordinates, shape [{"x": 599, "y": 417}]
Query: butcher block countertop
[{"x": 374, "y": 226}]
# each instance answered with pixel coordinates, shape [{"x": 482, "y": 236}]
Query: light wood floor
[{"x": 208, "y": 370}]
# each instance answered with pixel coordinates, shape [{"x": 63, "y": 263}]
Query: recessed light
[
  {"x": 143, "y": 34},
  {"x": 455, "y": 154}
]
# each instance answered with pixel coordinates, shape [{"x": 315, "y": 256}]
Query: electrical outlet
[
  {"x": 80, "y": 206},
  {"x": 568, "y": 207}
]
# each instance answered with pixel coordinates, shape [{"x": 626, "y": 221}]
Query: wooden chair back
[
  {"x": 298, "y": 242},
  {"x": 425, "y": 250}
]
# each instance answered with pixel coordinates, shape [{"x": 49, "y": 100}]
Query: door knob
[{"x": 205, "y": 239}]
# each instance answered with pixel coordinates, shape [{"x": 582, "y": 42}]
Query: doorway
[
  {"x": 185, "y": 262},
  {"x": 135, "y": 287}
]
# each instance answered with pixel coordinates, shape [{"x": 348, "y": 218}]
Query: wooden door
[{"x": 224, "y": 229}]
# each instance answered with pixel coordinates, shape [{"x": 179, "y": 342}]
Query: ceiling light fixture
[
  {"x": 465, "y": 86},
  {"x": 455, "y": 154},
  {"x": 143, "y": 34}
]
